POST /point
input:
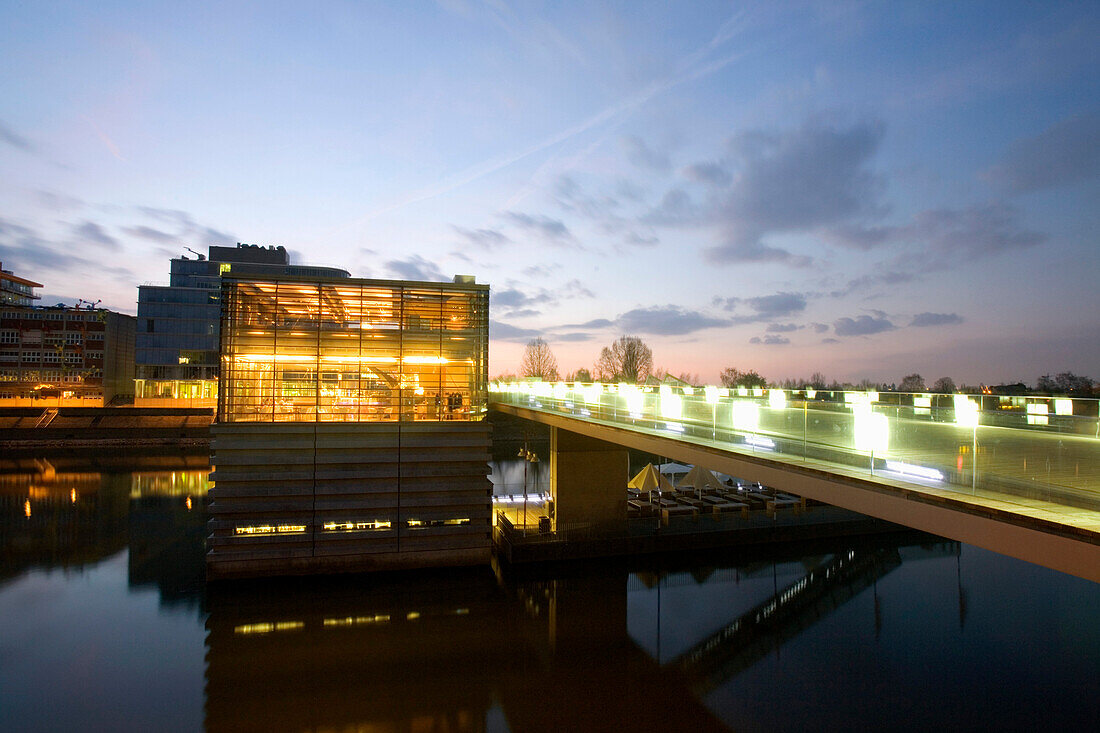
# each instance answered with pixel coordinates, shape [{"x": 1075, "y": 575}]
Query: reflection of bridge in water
[
  {"x": 1023, "y": 481},
  {"x": 763, "y": 629},
  {"x": 449, "y": 651}
]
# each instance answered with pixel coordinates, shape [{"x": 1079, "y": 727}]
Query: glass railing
[{"x": 1039, "y": 447}]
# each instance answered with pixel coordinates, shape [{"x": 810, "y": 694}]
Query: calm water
[{"x": 107, "y": 624}]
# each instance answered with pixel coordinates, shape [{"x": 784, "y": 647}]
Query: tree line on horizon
[{"x": 629, "y": 359}]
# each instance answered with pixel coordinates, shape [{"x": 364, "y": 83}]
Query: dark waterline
[{"x": 108, "y": 624}]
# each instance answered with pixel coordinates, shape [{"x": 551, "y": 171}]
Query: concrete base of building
[
  {"x": 243, "y": 567},
  {"x": 299, "y": 498}
]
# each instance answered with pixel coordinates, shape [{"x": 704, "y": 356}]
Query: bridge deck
[{"x": 1035, "y": 493}]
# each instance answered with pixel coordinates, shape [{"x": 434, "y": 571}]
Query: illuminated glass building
[
  {"x": 177, "y": 332},
  {"x": 350, "y": 431}
]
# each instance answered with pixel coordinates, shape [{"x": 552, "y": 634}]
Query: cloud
[
  {"x": 783, "y": 327},
  {"x": 503, "y": 332},
  {"x": 593, "y": 324},
  {"x": 666, "y": 320},
  {"x": 711, "y": 174},
  {"x": 572, "y": 337},
  {"x": 551, "y": 229},
  {"x": 830, "y": 341},
  {"x": 770, "y": 340},
  {"x": 149, "y": 233},
  {"x": 509, "y": 298},
  {"x": 796, "y": 181},
  {"x": 25, "y": 250},
  {"x": 819, "y": 327},
  {"x": 868, "y": 282},
  {"x": 640, "y": 240},
  {"x": 765, "y": 307},
  {"x": 973, "y": 232},
  {"x": 416, "y": 268},
  {"x": 676, "y": 209},
  {"x": 862, "y": 326},
  {"x": 643, "y": 156},
  {"x": 487, "y": 238},
  {"x": 854, "y": 236},
  {"x": 91, "y": 232},
  {"x": 575, "y": 289},
  {"x": 777, "y": 305},
  {"x": 58, "y": 201},
  {"x": 544, "y": 270},
  {"x": 936, "y": 319},
  {"x": 187, "y": 229},
  {"x": 9, "y": 136},
  {"x": 1065, "y": 153},
  {"x": 53, "y": 299},
  {"x": 518, "y": 303}
]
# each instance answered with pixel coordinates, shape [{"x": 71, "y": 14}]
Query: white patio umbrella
[{"x": 700, "y": 478}]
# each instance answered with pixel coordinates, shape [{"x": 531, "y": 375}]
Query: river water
[{"x": 108, "y": 624}]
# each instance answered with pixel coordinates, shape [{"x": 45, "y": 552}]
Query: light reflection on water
[{"x": 110, "y": 625}]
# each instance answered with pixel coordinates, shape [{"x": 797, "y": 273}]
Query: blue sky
[{"x": 862, "y": 189}]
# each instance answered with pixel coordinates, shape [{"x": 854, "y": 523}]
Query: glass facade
[
  {"x": 301, "y": 350},
  {"x": 177, "y": 331}
]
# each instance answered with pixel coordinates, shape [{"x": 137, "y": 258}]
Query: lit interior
[{"x": 353, "y": 351}]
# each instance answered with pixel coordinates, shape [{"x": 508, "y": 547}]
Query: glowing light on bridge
[
  {"x": 911, "y": 469},
  {"x": 745, "y": 415},
  {"x": 966, "y": 412}
]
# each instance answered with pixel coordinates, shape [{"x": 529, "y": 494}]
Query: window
[
  {"x": 32, "y": 356},
  {"x": 95, "y": 336},
  {"x": 74, "y": 339},
  {"x": 9, "y": 337},
  {"x": 51, "y": 357}
]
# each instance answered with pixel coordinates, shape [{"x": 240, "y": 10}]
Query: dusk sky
[{"x": 856, "y": 188}]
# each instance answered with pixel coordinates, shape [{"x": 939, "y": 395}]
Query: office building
[
  {"x": 16, "y": 290},
  {"x": 61, "y": 356},
  {"x": 177, "y": 333}
]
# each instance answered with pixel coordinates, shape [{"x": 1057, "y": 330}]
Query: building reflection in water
[
  {"x": 67, "y": 512},
  {"x": 442, "y": 651},
  {"x": 584, "y": 647}
]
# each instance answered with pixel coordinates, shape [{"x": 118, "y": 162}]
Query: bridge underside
[{"x": 975, "y": 520}]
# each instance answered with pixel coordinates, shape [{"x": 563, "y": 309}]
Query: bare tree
[
  {"x": 538, "y": 361},
  {"x": 944, "y": 385},
  {"x": 912, "y": 383},
  {"x": 627, "y": 360},
  {"x": 732, "y": 377},
  {"x": 1065, "y": 383}
]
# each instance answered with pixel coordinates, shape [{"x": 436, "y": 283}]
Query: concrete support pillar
[{"x": 587, "y": 481}]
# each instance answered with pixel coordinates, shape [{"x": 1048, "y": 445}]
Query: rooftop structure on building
[
  {"x": 16, "y": 290},
  {"x": 178, "y": 327}
]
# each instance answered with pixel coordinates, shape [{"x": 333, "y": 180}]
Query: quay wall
[{"x": 32, "y": 426}]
